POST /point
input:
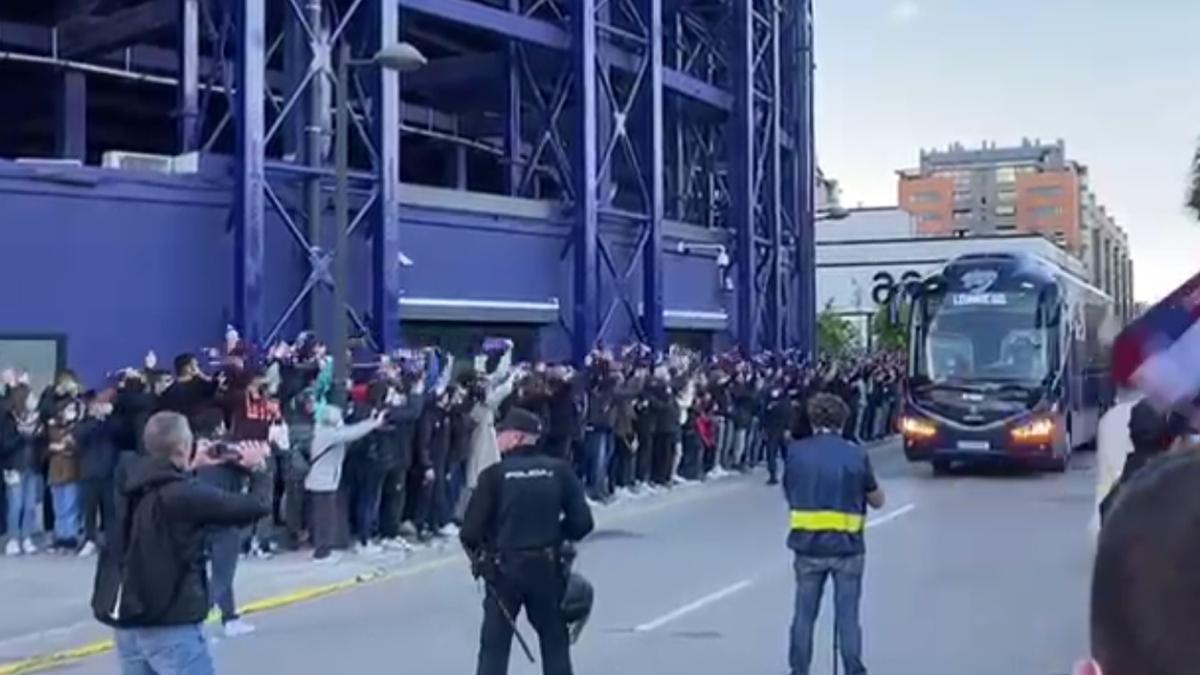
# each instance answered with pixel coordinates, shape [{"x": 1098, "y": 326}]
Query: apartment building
[{"x": 1031, "y": 188}]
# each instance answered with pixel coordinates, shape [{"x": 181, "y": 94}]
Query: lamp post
[{"x": 403, "y": 58}]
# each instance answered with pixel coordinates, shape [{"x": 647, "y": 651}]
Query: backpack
[{"x": 139, "y": 579}]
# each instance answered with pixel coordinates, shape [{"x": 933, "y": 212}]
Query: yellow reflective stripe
[{"x": 827, "y": 521}]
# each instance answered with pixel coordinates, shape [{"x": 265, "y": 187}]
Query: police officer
[
  {"x": 829, "y": 483},
  {"x": 523, "y": 512}
]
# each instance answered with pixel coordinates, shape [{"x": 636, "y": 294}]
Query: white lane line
[
  {"x": 890, "y": 516},
  {"x": 691, "y": 607}
]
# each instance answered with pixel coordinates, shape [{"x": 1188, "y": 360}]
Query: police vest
[{"x": 825, "y": 481}]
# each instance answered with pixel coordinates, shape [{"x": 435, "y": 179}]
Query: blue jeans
[
  {"x": 24, "y": 491},
  {"x": 811, "y": 574},
  {"x": 67, "y": 524},
  {"x": 170, "y": 650},
  {"x": 224, "y": 545},
  {"x": 598, "y": 444}
]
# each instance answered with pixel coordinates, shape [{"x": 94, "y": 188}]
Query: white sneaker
[
  {"x": 238, "y": 627},
  {"x": 13, "y": 547},
  {"x": 397, "y": 544},
  {"x": 369, "y": 548},
  {"x": 449, "y": 530},
  {"x": 28, "y": 547},
  {"x": 88, "y": 550}
]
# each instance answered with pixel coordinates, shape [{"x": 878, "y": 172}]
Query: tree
[
  {"x": 890, "y": 336},
  {"x": 836, "y": 336},
  {"x": 1193, "y": 201}
]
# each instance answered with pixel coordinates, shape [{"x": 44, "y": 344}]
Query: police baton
[{"x": 512, "y": 622}]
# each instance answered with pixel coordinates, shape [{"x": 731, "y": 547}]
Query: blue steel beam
[
  {"x": 188, "y": 91},
  {"x": 651, "y": 141},
  {"x": 71, "y": 116},
  {"x": 545, "y": 34},
  {"x": 83, "y": 35},
  {"x": 385, "y": 100},
  {"x": 741, "y": 173},
  {"x": 805, "y": 157},
  {"x": 250, "y": 218},
  {"x": 584, "y": 163}
]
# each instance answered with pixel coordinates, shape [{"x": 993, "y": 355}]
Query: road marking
[
  {"x": 890, "y": 516},
  {"x": 691, "y": 607}
]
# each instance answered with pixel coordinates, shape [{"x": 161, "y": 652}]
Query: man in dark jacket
[
  {"x": 151, "y": 584},
  {"x": 95, "y": 437},
  {"x": 191, "y": 392}
]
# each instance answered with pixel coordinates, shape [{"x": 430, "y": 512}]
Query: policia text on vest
[{"x": 829, "y": 484}]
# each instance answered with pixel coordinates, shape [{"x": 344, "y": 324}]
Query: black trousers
[
  {"x": 557, "y": 446},
  {"x": 776, "y": 449},
  {"x": 645, "y": 456},
  {"x": 664, "y": 458},
  {"x": 393, "y": 498},
  {"x": 98, "y": 499},
  {"x": 534, "y": 582}
]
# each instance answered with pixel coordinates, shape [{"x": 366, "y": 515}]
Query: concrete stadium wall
[{"x": 120, "y": 262}]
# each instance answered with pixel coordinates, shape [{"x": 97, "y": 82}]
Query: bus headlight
[
  {"x": 915, "y": 427},
  {"x": 1039, "y": 430}
]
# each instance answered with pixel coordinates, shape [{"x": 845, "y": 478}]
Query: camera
[{"x": 223, "y": 452}]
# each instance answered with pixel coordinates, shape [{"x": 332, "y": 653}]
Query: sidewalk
[{"x": 46, "y": 597}]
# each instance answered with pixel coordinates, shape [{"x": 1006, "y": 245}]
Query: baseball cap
[{"x": 519, "y": 419}]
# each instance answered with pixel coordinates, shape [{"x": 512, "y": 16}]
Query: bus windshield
[{"x": 993, "y": 337}]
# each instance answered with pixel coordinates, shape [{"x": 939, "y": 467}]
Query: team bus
[{"x": 1008, "y": 362}]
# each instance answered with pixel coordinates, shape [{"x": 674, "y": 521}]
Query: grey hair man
[{"x": 151, "y": 586}]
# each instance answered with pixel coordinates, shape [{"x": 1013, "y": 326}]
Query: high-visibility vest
[{"x": 825, "y": 481}]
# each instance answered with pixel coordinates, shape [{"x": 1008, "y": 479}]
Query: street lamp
[{"x": 400, "y": 57}]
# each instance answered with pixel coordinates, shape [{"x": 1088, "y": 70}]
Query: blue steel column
[
  {"x": 651, "y": 139},
  {"x": 512, "y": 112},
  {"x": 250, "y": 224},
  {"x": 188, "y": 91},
  {"x": 775, "y": 292},
  {"x": 804, "y": 139},
  {"x": 386, "y": 101},
  {"x": 71, "y": 114},
  {"x": 583, "y": 165},
  {"x": 740, "y": 171}
]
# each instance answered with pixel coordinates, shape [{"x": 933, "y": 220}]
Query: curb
[
  {"x": 398, "y": 570},
  {"x": 64, "y": 657}
]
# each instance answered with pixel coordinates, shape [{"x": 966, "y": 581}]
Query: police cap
[{"x": 521, "y": 420}]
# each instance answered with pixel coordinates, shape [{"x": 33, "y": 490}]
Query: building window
[
  {"x": 931, "y": 217},
  {"x": 1006, "y": 195},
  {"x": 1007, "y": 226},
  {"x": 1046, "y": 211},
  {"x": 1006, "y": 210},
  {"x": 924, "y": 197},
  {"x": 1046, "y": 191},
  {"x": 1060, "y": 237},
  {"x": 1006, "y": 174}
]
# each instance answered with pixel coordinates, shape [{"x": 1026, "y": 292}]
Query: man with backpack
[{"x": 151, "y": 584}]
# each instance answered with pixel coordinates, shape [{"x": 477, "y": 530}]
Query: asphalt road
[{"x": 981, "y": 573}]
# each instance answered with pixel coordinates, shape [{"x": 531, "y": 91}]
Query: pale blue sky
[{"x": 1118, "y": 80}]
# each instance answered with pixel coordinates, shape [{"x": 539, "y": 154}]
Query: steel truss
[{"x": 587, "y": 85}]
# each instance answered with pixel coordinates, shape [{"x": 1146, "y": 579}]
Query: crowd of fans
[{"x": 388, "y": 459}]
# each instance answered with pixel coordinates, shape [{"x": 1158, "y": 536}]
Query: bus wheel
[{"x": 941, "y": 467}]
